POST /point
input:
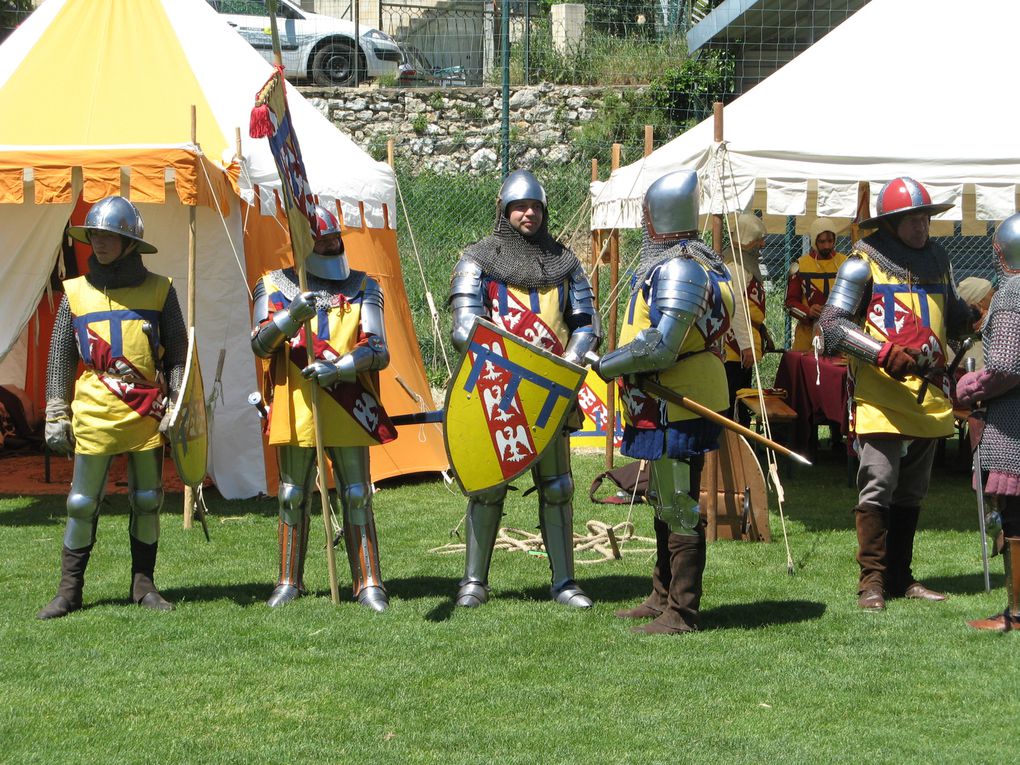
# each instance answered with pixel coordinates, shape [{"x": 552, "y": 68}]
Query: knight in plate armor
[
  {"x": 524, "y": 281},
  {"x": 348, "y": 348},
  {"x": 674, "y": 325},
  {"x": 997, "y": 386},
  {"x": 892, "y": 309},
  {"x": 124, "y": 324}
]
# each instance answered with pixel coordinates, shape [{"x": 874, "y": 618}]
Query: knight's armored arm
[
  {"x": 174, "y": 337},
  {"x": 466, "y": 301},
  {"x": 372, "y": 355},
  {"x": 60, "y": 373},
  {"x": 269, "y": 334},
  {"x": 680, "y": 294},
  {"x": 838, "y": 325},
  {"x": 582, "y": 319}
]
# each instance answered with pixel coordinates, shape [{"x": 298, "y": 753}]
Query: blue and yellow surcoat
[
  {"x": 912, "y": 315},
  {"x": 118, "y": 400}
]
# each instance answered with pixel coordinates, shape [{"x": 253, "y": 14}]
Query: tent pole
[
  {"x": 189, "y": 493},
  {"x": 717, "y": 136},
  {"x": 614, "y": 278}
]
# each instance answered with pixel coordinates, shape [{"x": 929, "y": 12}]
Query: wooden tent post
[
  {"x": 717, "y": 220},
  {"x": 614, "y": 279},
  {"x": 189, "y": 493}
]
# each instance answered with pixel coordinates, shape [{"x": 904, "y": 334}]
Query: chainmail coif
[
  {"x": 653, "y": 253},
  {"x": 531, "y": 262},
  {"x": 929, "y": 265}
]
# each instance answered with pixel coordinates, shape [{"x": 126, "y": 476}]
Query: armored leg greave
[
  {"x": 354, "y": 485},
  {"x": 680, "y": 567},
  {"x": 555, "y": 518},
  {"x": 145, "y": 494},
  {"x": 481, "y": 527},
  {"x": 87, "y": 487},
  {"x": 296, "y": 464}
]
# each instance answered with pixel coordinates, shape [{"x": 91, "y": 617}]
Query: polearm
[
  {"x": 664, "y": 393},
  {"x": 421, "y": 418},
  {"x": 979, "y": 488},
  {"x": 320, "y": 452},
  {"x": 950, "y": 370}
]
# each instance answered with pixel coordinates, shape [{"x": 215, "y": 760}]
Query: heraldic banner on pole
[{"x": 506, "y": 402}]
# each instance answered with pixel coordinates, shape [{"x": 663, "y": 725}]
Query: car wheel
[{"x": 333, "y": 64}]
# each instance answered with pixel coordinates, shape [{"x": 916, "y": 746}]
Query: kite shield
[
  {"x": 507, "y": 401},
  {"x": 188, "y": 432}
]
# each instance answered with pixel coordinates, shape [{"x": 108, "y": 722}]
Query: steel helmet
[
  {"x": 900, "y": 196},
  {"x": 118, "y": 216},
  {"x": 520, "y": 185},
  {"x": 326, "y": 222},
  {"x": 671, "y": 204},
  {"x": 1006, "y": 243}
]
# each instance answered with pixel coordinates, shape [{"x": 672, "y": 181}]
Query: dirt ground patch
[{"x": 25, "y": 473}]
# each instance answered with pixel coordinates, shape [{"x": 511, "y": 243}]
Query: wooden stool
[{"x": 780, "y": 414}]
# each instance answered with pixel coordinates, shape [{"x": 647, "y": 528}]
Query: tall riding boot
[
  {"x": 481, "y": 528},
  {"x": 143, "y": 564},
  {"x": 900, "y": 580},
  {"x": 362, "y": 545},
  {"x": 655, "y": 603},
  {"x": 687, "y": 569},
  {"x": 872, "y": 523},
  {"x": 72, "y": 581},
  {"x": 293, "y": 548},
  {"x": 1009, "y": 619}
]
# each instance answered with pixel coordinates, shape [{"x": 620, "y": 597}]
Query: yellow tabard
[
  {"x": 337, "y": 332},
  {"x": 910, "y": 315},
  {"x": 817, "y": 277},
  {"x": 535, "y": 316},
  {"x": 698, "y": 372},
  {"x": 118, "y": 401}
]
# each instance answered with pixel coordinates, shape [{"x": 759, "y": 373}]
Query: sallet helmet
[
  {"x": 326, "y": 223},
  {"x": 900, "y": 196},
  {"x": 1006, "y": 243},
  {"x": 116, "y": 215},
  {"x": 520, "y": 185},
  {"x": 671, "y": 205}
]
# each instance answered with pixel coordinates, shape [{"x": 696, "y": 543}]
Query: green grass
[{"x": 786, "y": 670}]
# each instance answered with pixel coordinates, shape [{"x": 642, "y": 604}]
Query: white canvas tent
[
  {"x": 922, "y": 88},
  {"x": 96, "y": 97}
]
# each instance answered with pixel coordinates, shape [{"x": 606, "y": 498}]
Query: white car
[{"x": 317, "y": 47}]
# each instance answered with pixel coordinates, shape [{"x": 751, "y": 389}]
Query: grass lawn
[{"x": 787, "y": 668}]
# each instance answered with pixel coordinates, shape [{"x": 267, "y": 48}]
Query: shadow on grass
[
  {"x": 247, "y": 594},
  {"x": 966, "y": 584},
  {"x": 762, "y": 613}
]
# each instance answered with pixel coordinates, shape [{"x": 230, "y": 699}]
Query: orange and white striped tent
[{"x": 96, "y": 98}]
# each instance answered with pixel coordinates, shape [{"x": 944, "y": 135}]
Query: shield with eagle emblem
[
  {"x": 506, "y": 402},
  {"x": 188, "y": 432}
]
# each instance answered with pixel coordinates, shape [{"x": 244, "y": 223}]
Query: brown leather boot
[
  {"x": 872, "y": 530},
  {"x": 900, "y": 580},
  {"x": 143, "y": 589},
  {"x": 656, "y": 602},
  {"x": 687, "y": 569},
  {"x": 72, "y": 582},
  {"x": 1009, "y": 619}
]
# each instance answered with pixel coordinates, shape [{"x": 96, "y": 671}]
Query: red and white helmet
[
  {"x": 900, "y": 196},
  {"x": 325, "y": 222}
]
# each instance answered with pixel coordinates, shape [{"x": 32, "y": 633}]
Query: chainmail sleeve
[
  {"x": 62, "y": 364},
  {"x": 174, "y": 336}
]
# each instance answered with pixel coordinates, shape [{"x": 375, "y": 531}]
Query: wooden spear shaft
[
  {"x": 320, "y": 452},
  {"x": 659, "y": 391},
  {"x": 189, "y": 493}
]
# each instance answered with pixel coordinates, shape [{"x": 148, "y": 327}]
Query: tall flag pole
[{"x": 271, "y": 119}]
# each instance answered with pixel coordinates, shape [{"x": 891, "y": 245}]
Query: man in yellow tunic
[
  {"x": 524, "y": 281},
  {"x": 124, "y": 324},
  {"x": 678, "y": 314},
  {"x": 348, "y": 350},
  {"x": 811, "y": 279},
  {"x": 892, "y": 308}
]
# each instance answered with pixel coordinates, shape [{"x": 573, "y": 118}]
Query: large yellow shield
[
  {"x": 506, "y": 402},
  {"x": 188, "y": 432}
]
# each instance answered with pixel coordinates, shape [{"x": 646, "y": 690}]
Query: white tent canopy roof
[{"x": 903, "y": 87}]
